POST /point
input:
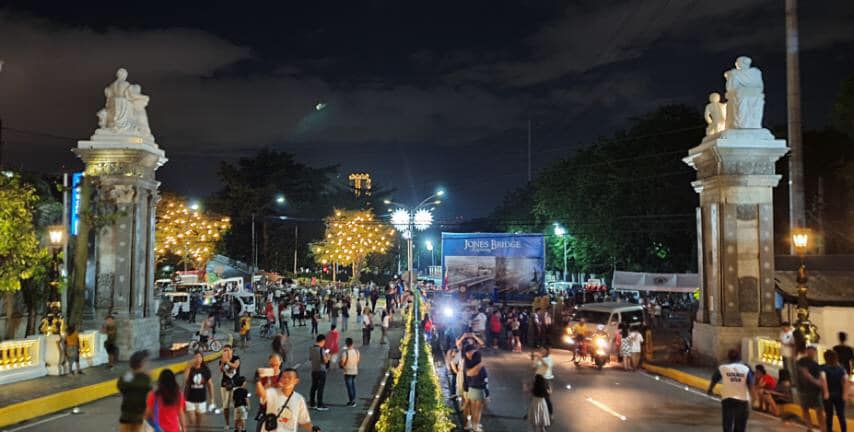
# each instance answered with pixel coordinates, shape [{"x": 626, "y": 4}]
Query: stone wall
[{"x": 138, "y": 334}]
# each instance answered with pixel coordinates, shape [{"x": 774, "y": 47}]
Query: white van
[
  {"x": 180, "y": 303},
  {"x": 609, "y": 314},
  {"x": 247, "y": 302}
]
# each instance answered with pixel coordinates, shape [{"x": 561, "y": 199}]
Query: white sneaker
[{"x": 478, "y": 428}]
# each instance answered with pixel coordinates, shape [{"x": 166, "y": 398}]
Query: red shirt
[
  {"x": 332, "y": 341},
  {"x": 767, "y": 382},
  {"x": 167, "y": 415}
]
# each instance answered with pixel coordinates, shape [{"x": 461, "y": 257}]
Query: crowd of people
[{"x": 170, "y": 407}]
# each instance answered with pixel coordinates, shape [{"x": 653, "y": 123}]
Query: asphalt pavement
[
  {"x": 102, "y": 415},
  {"x": 586, "y": 399}
]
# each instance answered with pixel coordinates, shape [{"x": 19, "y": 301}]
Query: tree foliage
[
  {"x": 626, "y": 201},
  {"x": 191, "y": 235},
  {"x": 352, "y": 236},
  {"x": 20, "y": 251},
  {"x": 251, "y": 186}
]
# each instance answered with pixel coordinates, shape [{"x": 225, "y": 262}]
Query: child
[
  {"x": 538, "y": 410},
  {"x": 245, "y": 326},
  {"x": 72, "y": 349},
  {"x": 241, "y": 404}
]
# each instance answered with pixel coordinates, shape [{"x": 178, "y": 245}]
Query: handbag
[
  {"x": 271, "y": 421},
  {"x": 153, "y": 424}
]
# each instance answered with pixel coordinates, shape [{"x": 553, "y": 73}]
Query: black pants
[
  {"x": 549, "y": 398},
  {"x": 734, "y": 413},
  {"x": 366, "y": 336},
  {"x": 838, "y": 403},
  {"x": 318, "y": 381}
]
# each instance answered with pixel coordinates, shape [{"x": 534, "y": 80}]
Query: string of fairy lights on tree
[
  {"x": 351, "y": 236},
  {"x": 188, "y": 233}
]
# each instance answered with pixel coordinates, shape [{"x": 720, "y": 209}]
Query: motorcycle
[{"x": 600, "y": 352}]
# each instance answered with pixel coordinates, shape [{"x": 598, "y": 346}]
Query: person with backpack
[
  {"x": 229, "y": 366},
  {"x": 349, "y": 363},
  {"x": 165, "y": 406}
]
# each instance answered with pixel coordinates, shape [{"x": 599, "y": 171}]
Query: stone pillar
[
  {"x": 735, "y": 223},
  {"x": 121, "y": 158}
]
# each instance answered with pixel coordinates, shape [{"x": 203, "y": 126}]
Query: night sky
[{"x": 419, "y": 94}]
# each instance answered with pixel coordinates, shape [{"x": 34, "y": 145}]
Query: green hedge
[{"x": 431, "y": 413}]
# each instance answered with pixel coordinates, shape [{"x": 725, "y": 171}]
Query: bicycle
[
  {"x": 203, "y": 344},
  {"x": 267, "y": 330}
]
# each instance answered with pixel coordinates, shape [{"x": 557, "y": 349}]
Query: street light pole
[
  {"x": 253, "y": 257},
  {"x": 564, "y": 259},
  {"x": 800, "y": 242}
]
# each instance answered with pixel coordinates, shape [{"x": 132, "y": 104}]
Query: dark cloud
[{"x": 415, "y": 99}]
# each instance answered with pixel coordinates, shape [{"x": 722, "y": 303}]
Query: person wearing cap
[
  {"x": 812, "y": 386},
  {"x": 736, "y": 380}
]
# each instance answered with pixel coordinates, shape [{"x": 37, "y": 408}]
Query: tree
[
  {"x": 627, "y": 201},
  {"x": 843, "y": 108},
  {"x": 191, "y": 235},
  {"x": 351, "y": 236},
  {"x": 20, "y": 252}
]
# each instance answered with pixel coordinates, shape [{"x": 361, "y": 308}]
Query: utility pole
[
  {"x": 296, "y": 248},
  {"x": 797, "y": 213}
]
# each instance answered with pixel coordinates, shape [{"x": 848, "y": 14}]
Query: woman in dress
[{"x": 538, "y": 410}]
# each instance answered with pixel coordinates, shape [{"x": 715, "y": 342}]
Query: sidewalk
[
  {"x": 27, "y": 401},
  {"x": 49, "y": 394}
]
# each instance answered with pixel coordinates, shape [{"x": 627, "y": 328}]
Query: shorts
[
  {"x": 111, "y": 348},
  {"x": 227, "y": 397},
  {"x": 474, "y": 394},
  {"x": 72, "y": 354},
  {"x": 240, "y": 413},
  {"x": 515, "y": 333},
  {"x": 197, "y": 407},
  {"x": 810, "y": 399}
]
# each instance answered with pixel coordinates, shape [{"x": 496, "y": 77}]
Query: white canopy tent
[{"x": 661, "y": 282}]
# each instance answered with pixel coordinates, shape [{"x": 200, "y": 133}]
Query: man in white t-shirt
[
  {"x": 635, "y": 340},
  {"x": 285, "y": 403},
  {"x": 736, "y": 390}
]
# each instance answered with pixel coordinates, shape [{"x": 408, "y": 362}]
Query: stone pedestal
[
  {"x": 121, "y": 158},
  {"x": 735, "y": 225}
]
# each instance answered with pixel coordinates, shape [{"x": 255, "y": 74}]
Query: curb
[
  {"x": 38, "y": 407},
  {"x": 786, "y": 410}
]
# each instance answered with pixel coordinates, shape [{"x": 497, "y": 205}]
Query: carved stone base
[
  {"x": 710, "y": 344},
  {"x": 138, "y": 334}
]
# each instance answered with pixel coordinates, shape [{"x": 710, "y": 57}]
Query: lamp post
[
  {"x": 407, "y": 220},
  {"x": 56, "y": 235},
  {"x": 279, "y": 200},
  {"x": 800, "y": 242},
  {"x": 429, "y": 245},
  {"x": 561, "y": 232}
]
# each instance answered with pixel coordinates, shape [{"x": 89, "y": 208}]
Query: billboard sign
[{"x": 494, "y": 265}]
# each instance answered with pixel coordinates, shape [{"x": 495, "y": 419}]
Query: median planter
[{"x": 428, "y": 410}]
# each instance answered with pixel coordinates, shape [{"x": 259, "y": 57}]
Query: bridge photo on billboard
[{"x": 503, "y": 267}]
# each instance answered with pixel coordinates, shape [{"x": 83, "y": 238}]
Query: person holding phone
[
  {"x": 285, "y": 408},
  {"x": 319, "y": 357}
]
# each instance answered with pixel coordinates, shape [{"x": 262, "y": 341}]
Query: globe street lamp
[
  {"x": 800, "y": 240},
  {"x": 408, "y": 220},
  {"x": 561, "y": 232}
]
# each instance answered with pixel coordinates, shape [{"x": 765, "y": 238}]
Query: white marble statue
[
  {"x": 715, "y": 115},
  {"x": 140, "y": 101},
  {"x": 745, "y": 96},
  {"x": 125, "y": 109}
]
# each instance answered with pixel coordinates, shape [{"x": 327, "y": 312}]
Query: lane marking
[
  {"x": 42, "y": 421},
  {"x": 605, "y": 408}
]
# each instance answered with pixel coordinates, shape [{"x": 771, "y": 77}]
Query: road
[
  {"x": 586, "y": 399},
  {"x": 102, "y": 415}
]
